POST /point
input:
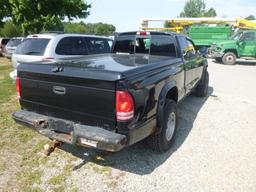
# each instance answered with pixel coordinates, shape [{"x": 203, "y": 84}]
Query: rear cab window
[
  {"x": 98, "y": 45},
  {"x": 124, "y": 44},
  {"x": 158, "y": 45},
  {"x": 163, "y": 46},
  {"x": 32, "y": 46}
]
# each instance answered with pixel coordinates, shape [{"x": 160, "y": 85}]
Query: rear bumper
[{"x": 70, "y": 132}]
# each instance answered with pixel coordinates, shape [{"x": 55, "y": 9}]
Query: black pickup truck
[{"x": 111, "y": 101}]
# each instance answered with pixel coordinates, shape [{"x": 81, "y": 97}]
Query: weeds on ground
[
  {"x": 15, "y": 142},
  {"x": 21, "y": 148}
]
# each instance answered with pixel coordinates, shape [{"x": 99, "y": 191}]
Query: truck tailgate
[{"x": 72, "y": 93}]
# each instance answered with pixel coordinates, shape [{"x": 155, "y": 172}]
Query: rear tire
[
  {"x": 202, "y": 88},
  {"x": 162, "y": 141},
  {"x": 229, "y": 58}
]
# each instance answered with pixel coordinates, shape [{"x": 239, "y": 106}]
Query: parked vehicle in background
[
  {"x": 11, "y": 46},
  {"x": 3, "y": 42},
  {"x": 110, "y": 101},
  {"x": 241, "y": 45},
  {"x": 54, "y": 46},
  {"x": 204, "y": 36},
  {"x": 203, "y": 30}
]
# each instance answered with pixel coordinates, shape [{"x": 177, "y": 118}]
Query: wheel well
[
  {"x": 172, "y": 94},
  {"x": 232, "y": 51}
]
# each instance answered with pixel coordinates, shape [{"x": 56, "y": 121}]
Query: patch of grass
[
  {"x": 112, "y": 184},
  {"x": 33, "y": 189},
  {"x": 28, "y": 178},
  {"x": 22, "y": 143},
  {"x": 2, "y": 166},
  {"x": 36, "y": 189},
  {"x": 58, "y": 189},
  {"x": 4, "y": 61},
  {"x": 16, "y": 139},
  {"x": 101, "y": 170},
  {"x": 32, "y": 161},
  {"x": 2, "y": 143},
  {"x": 40, "y": 145},
  {"x": 74, "y": 189},
  {"x": 7, "y": 86},
  {"x": 59, "y": 179}
]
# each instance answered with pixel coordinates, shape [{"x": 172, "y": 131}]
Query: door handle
[{"x": 59, "y": 90}]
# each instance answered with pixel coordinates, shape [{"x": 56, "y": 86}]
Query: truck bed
[{"x": 82, "y": 90}]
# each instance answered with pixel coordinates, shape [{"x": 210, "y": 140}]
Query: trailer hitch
[{"x": 50, "y": 147}]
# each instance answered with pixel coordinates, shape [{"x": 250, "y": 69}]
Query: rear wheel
[
  {"x": 202, "y": 88},
  {"x": 229, "y": 58},
  {"x": 162, "y": 141}
]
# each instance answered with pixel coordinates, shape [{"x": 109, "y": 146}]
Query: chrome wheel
[
  {"x": 170, "y": 126},
  {"x": 230, "y": 59}
]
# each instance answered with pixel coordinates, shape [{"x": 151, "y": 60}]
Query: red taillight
[
  {"x": 18, "y": 86},
  {"x": 124, "y": 106}
]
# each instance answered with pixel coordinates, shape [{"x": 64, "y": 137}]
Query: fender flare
[{"x": 161, "y": 101}]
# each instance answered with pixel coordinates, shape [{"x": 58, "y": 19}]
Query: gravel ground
[{"x": 214, "y": 150}]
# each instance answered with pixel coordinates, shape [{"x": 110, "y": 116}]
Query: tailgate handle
[{"x": 59, "y": 90}]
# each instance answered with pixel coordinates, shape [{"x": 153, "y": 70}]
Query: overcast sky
[{"x": 126, "y": 14}]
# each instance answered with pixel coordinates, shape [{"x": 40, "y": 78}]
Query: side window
[
  {"x": 248, "y": 36},
  {"x": 183, "y": 43},
  {"x": 187, "y": 47},
  {"x": 124, "y": 44},
  {"x": 131, "y": 44},
  {"x": 97, "y": 45},
  {"x": 71, "y": 46},
  {"x": 191, "y": 49},
  {"x": 162, "y": 46}
]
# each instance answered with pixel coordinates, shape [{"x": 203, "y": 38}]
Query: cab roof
[{"x": 147, "y": 33}]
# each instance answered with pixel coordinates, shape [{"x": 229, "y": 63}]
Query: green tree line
[
  {"x": 23, "y": 17},
  {"x": 90, "y": 28},
  {"x": 9, "y": 29}
]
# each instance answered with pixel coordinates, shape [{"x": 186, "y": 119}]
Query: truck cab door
[
  {"x": 187, "y": 63},
  {"x": 246, "y": 44},
  {"x": 190, "y": 62},
  {"x": 197, "y": 61}
]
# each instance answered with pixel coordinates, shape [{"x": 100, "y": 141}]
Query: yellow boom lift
[{"x": 178, "y": 24}]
